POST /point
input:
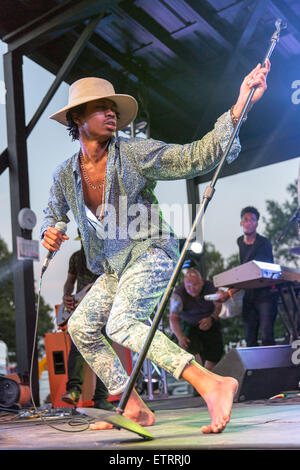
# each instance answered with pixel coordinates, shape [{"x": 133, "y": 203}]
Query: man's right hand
[
  {"x": 224, "y": 296},
  {"x": 184, "y": 342},
  {"x": 53, "y": 238},
  {"x": 69, "y": 302}
]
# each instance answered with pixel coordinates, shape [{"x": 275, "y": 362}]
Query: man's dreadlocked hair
[{"x": 72, "y": 126}]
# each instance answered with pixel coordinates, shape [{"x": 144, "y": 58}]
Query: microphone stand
[{"x": 117, "y": 419}]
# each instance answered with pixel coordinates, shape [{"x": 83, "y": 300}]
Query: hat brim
[{"x": 126, "y": 104}]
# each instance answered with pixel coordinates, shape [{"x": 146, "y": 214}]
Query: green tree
[
  {"x": 275, "y": 222},
  {"x": 214, "y": 261},
  {"x": 232, "y": 261},
  {"x": 7, "y": 309}
]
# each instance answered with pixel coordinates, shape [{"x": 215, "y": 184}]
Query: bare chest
[
  {"x": 93, "y": 185},
  {"x": 93, "y": 199}
]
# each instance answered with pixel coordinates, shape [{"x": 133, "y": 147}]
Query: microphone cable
[{"x": 74, "y": 421}]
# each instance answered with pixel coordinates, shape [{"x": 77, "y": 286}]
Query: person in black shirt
[
  {"x": 259, "y": 305},
  {"x": 194, "y": 321}
]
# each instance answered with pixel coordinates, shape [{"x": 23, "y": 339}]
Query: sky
[{"x": 49, "y": 145}]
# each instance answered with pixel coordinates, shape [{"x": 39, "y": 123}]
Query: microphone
[
  {"x": 212, "y": 297},
  {"x": 62, "y": 228}
]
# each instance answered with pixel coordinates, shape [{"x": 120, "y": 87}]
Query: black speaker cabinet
[{"x": 262, "y": 372}]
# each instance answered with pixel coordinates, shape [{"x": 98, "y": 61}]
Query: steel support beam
[
  {"x": 253, "y": 20},
  {"x": 27, "y": 37},
  {"x": 209, "y": 14},
  {"x": 24, "y": 295},
  {"x": 132, "y": 65},
  {"x": 3, "y": 161},
  {"x": 61, "y": 75},
  {"x": 64, "y": 70},
  {"x": 193, "y": 196},
  {"x": 159, "y": 33}
]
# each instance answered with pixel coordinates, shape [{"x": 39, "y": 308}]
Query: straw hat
[{"x": 92, "y": 88}]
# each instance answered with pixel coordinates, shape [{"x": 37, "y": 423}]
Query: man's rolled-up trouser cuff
[
  {"x": 184, "y": 361},
  {"x": 117, "y": 391}
]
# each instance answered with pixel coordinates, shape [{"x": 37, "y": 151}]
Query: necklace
[
  {"x": 100, "y": 185},
  {"x": 100, "y": 209}
]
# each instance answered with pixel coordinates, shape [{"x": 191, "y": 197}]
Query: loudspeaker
[
  {"x": 262, "y": 372},
  {"x": 13, "y": 393},
  {"x": 57, "y": 346}
]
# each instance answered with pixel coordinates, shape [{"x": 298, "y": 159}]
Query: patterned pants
[{"x": 124, "y": 306}]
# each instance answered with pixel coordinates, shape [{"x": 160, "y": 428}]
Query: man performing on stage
[{"x": 105, "y": 185}]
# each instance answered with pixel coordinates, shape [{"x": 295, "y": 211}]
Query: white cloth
[{"x": 232, "y": 307}]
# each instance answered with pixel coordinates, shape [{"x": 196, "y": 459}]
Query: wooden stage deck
[{"x": 254, "y": 425}]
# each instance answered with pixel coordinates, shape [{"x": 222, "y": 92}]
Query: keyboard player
[{"x": 259, "y": 305}]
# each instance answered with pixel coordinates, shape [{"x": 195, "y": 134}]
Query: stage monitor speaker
[
  {"x": 57, "y": 346},
  {"x": 262, "y": 372}
]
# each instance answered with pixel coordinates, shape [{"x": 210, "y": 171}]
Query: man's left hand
[{"x": 257, "y": 77}]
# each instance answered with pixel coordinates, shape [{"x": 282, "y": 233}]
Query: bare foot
[
  {"x": 219, "y": 403},
  {"x": 100, "y": 425},
  {"x": 136, "y": 410},
  {"x": 217, "y": 391}
]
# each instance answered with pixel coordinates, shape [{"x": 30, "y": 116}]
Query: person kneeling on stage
[{"x": 194, "y": 321}]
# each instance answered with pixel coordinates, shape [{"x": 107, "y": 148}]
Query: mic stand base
[{"x": 120, "y": 422}]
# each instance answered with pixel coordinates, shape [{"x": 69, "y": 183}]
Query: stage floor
[{"x": 253, "y": 425}]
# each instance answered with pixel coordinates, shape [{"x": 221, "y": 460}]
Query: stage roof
[{"x": 183, "y": 60}]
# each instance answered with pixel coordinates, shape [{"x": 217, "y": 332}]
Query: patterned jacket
[{"x": 133, "y": 167}]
